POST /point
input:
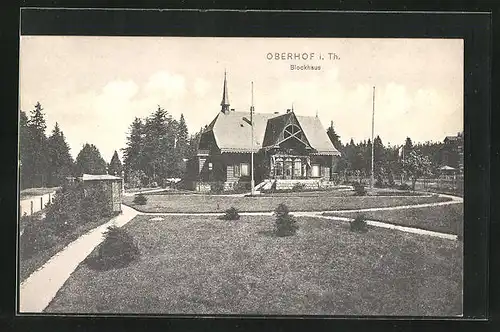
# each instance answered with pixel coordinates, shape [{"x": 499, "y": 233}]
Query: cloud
[
  {"x": 120, "y": 89},
  {"x": 201, "y": 87},
  {"x": 166, "y": 85}
]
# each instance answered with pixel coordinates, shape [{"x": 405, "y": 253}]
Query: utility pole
[
  {"x": 373, "y": 143},
  {"x": 252, "y": 181}
]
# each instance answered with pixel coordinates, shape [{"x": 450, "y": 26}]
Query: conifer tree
[
  {"x": 38, "y": 147},
  {"x": 25, "y": 152},
  {"x": 334, "y": 138},
  {"x": 115, "y": 165},
  {"x": 133, "y": 152},
  {"x": 182, "y": 145},
  {"x": 60, "y": 162},
  {"x": 89, "y": 161}
]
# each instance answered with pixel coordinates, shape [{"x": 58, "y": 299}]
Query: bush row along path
[{"x": 40, "y": 288}]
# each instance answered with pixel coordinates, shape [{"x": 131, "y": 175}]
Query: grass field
[
  {"x": 447, "y": 218},
  {"x": 202, "y": 265},
  {"x": 324, "y": 202}
]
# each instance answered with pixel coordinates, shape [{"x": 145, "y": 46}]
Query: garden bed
[{"x": 202, "y": 265}]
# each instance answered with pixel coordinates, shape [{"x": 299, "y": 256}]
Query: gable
[{"x": 283, "y": 128}]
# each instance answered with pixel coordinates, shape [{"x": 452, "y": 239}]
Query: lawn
[
  {"x": 447, "y": 218},
  {"x": 202, "y": 265},
  {"x": 318, "y": 202}
]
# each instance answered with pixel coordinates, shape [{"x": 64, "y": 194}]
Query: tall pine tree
[
  {"x": 89, "y": 161},
  {"x": 181, "y": 146},
  {"x": 334, "y": 138},
  {"x": 38, "y": 147},
  {"x": 25, "y": 152},
  {"x": 60, "y": 162},
  {"x": 115, "y": 165},
  {"x": 133, "y": 152}
]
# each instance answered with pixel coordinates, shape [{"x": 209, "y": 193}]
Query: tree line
[
  {"x": 390, "y": 162},
  {"x": 46, "y": 161},
  {"x": 158, "y": 148}
]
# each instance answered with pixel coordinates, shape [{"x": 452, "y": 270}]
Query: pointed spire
[{"x": 225, "y": 98}]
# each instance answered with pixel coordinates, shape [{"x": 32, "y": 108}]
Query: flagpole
[
  {"x": 403, "y": 161},
  {"x": 252, "y": 181},
  {"x": 373, "y": 143}
]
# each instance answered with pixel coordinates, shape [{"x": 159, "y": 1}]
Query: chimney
[
  {"x": 276, "y": 112},
  {"x": 288, "y": 110}
]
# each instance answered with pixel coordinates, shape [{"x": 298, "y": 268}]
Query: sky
[{"x": 94, "y": 87}]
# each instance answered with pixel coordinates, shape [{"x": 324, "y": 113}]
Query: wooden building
[
  {"x": 287, "y": 147},
  {"x": 112, "y": 185}
]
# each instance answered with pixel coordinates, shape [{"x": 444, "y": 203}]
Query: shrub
[
  {"x": 94, "y": 204},
  {"x": 140, "y": 199},
  {"x": 36, "y": 237},
  {"x": 298, "y": 186},
  {"x": 286, "y": 224},
  {"x": 359, "y": 189},
  {"x": 359, "y": 224},
  {"x": 217, "y": 187},
  {"x": 391, "y": 183},
  {"x": 116, "y": 251},
  {"x": 231, "y": 214},
  {"x": 404, "y": 186},
  {"x": 64, "y": 214}
]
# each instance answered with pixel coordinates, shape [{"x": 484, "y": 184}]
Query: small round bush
[
  {"x": 359, "y": 224},
  {"x": 117, "y": 250},
  {"x": 140, "y": 199},
  {"x": 286, "y": 224},
  {"x": 359, "y": 189},
  {"x": 231, "y": 214},
  {"x": 297, "y": 187}
]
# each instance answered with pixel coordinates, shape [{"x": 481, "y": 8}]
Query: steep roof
[
  {"x": 232, "y": 133},
  {"x": 317, "y": 136}
]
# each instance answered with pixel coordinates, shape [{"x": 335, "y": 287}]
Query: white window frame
[
  {"x": 245, "y": 166},
  {"x": 236, "y": 170},
  {"x": 313, "y": 173},
  {"x": 297, "y": 171}
]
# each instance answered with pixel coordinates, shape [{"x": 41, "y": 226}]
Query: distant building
[
  {"x": 112, "y": 186},
  {"x": 286, "y": 147},
  {"x": 452, "y": 153}
]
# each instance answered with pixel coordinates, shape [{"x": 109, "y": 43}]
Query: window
[
  {"x": 291, "y": 130},
  {"x": 288, "y": 167},
  {"x": 297, "y": 168},
  {"x": 279, "y": 167},
  {"x": 245, "y": 170},
  {"x": 236, "y": 171},
  {"x": 315, "y": 171}
]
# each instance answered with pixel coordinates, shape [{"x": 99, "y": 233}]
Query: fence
[
  {"x": 35, "y": 203},
  {"x": 448, "y": 184}
]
